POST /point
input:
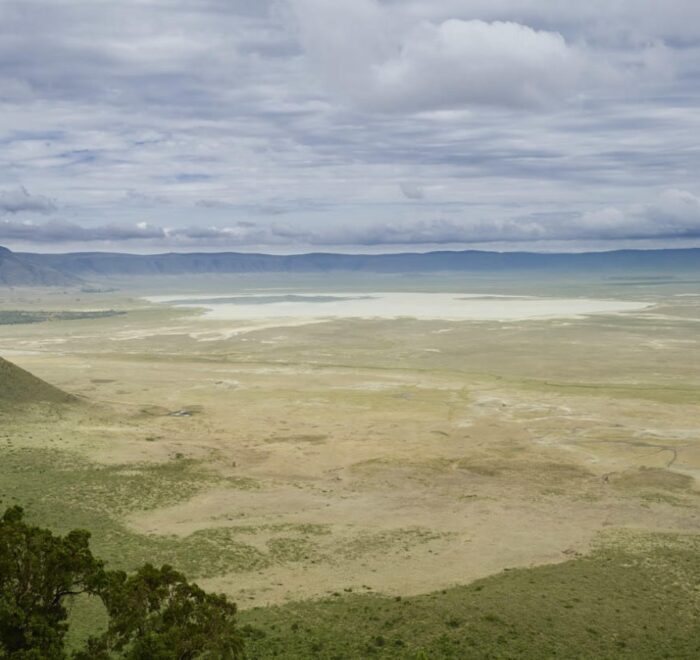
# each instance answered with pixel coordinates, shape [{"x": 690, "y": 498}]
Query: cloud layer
[
  {"x": 674, "y": 215},
  {"x": 292, "y": 123}
]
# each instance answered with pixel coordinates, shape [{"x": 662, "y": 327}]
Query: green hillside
[
  {"x": 18, "y": 386},
  {"x": 636, "y": 599}
]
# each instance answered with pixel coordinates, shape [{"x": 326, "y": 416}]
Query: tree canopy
[{"x": 154, "y": 613}]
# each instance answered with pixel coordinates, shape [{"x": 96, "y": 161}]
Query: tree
[
  {"x": 154, "y": 614},
  {"x": 38, "y": 572}
]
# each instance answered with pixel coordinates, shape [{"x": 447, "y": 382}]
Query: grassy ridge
[
  {"x": 18, "y": 386},
  {"x": 637, "y": 598}
]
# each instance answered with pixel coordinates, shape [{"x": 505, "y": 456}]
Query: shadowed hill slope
[
  {"x": 18, "y": 386},
  {"x": 15, "y": 271}
]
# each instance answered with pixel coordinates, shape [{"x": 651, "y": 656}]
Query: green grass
[
  {"x": 637, "y": 597},
  {"x": 15, "y": 317},
  {"x": 647, "y": 477},
  {"x": 63, "y": 491},
  {"x": 672, "y": 394},
  {"x": 386, "y": 542},
  {"x": 49, "y": 480}
]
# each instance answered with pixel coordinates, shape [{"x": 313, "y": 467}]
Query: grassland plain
[{"x": 393, "y": 457}]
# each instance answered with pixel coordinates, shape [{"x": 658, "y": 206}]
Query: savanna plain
[{"x": 396, "y": 466}]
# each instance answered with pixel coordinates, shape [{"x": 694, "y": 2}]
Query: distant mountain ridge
[
  {"x": 17, "y": 271},
  {"x": 62, "y": 269}
]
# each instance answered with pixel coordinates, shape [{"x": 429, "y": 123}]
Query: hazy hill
[
  {"x": 18, "y": 271},
  {"x": 86, "y": 264},
  {"x": 19, "y": 386}
]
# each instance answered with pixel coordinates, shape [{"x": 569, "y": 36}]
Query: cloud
[
  {"x": 21, "y": 201},
  {"x": 271, "y": 207},
  {"x": 68, "y": 232},
  {"x": 411, "y": 190},
  {"x": 373, "y": 58},
  {"x": 473, "y": 62},
  {"x": 675, "y": 214},
  {"x": 213, "y": 204},
  {"x": 351, "y": 121},
  {"x": 141, "y": 199}
]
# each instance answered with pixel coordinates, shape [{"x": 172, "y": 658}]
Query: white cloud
[
  {"x": 367, "y": 53},
  {"x": 676, "y": 213},
  {"x": 472, "y": 62}
]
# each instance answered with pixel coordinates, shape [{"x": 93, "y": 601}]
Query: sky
[{"x": 349, "y": 125}]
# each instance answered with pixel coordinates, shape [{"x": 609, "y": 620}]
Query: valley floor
[{"x": 279, "y": 462}]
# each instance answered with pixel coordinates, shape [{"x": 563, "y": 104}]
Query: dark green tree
[
  {"x": 156, "y": 614},
  {"x": 38, "y": 573}
]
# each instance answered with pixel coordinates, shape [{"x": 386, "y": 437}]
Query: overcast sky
[{"x": 349, "y": 125}]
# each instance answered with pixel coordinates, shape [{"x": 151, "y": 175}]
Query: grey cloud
[
  {"x": 142, "y": 199},
  {"x": 22, "y": 201},
  {"x": 411, "y": 190},
  {"x": 213, "y": 204},
  {"x": 170, "y": 57},
  {"x": 521, "y": 118},
  {"x": 68, "y": 232},
  {"x": 270, "y": 207},
  {"x": 675, "y": 214}
]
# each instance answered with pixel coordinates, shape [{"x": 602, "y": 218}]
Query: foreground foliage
[
  {"x": 38, "y": 572},
  {"x": 154, "y": 614}
]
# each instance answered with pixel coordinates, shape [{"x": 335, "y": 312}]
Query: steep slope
[
  {"x": 18, "y": 386},
  {"x": 16, "y": 271}
]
